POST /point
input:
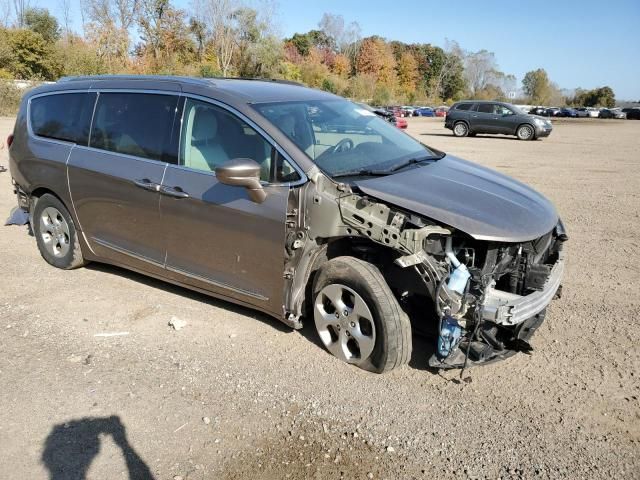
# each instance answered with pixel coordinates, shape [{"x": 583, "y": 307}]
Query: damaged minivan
[{"x": 292, "y": 201}]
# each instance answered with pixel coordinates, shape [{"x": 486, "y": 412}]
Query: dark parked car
[
  {"x": 292, "y": 201},
  {"x": 473, "y": 116},
  {"x": 567, "y": 112},
  {"x": 538, "y": 111},
  {"x": 632, "y": 113},
  {"x": 387, "y": 115},
  {"x": 612, "y": 113}
]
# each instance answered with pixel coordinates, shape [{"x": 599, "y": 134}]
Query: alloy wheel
[{"x": 345, "y": 323}]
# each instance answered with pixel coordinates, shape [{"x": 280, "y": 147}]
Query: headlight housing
[{"x": 540, "y": 122}]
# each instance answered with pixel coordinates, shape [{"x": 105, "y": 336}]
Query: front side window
[
  {"x": 64, "y": 116},
  {"x": 138, "y": 124},
  {"x": 501, "y": 110},
  {"x": 340, "y": 136},
  {"x": 212, "y": 136}
]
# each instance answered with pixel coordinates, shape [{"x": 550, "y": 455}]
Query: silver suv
[{"x": 471, "y": 117}]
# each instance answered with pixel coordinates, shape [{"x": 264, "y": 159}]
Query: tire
[
  {"x": 381, "y": 336},
  {"x": 526, "y": 132},
  {"x": 56, "y": 234},
  {"x": 460, "y": 129}
]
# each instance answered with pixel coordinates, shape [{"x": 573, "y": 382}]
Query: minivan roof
[{"x": 242, "y": 89}]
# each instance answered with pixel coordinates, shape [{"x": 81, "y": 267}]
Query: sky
[{"x": 580, "y": 43}]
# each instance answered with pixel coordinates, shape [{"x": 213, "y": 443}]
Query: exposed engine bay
[{"x": 478, "y": 300}]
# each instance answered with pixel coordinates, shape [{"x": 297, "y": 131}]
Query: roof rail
[
  {"x": 167, "y": 78},
  {"x": 258, "y": 79},
  {"x": 175, "y": 78}
]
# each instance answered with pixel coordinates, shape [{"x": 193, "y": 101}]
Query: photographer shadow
[{"x": 71, "y": 447}]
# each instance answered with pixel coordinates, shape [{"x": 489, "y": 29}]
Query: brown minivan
[{"x": 295, "y": 202}]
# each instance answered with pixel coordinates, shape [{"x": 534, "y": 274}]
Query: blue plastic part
[
  {"x": 450, "y": 332},
  {"x": 458, "y": 279}
]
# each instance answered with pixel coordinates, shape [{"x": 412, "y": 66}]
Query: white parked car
[
  {"x": 593, "y": 112},
  {"x": 582, "y": 112}
]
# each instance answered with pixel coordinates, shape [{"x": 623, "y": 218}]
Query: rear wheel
[
  {"x": 460, "y": 129},
  {"x": 56, "y": 234},
  {"x": 357, "y": 317},
  {"x": 525, "y": 132}
]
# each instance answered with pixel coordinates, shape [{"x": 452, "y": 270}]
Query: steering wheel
[{"x": 342, "y": 146}]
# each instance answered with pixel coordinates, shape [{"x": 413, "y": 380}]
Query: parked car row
[{"x": 586, "y": 112}]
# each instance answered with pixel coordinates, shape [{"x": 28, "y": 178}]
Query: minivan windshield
[{"x": 343, "y": 138}]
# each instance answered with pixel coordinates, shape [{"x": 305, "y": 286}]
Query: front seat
[{"x": 205, "y": 152}]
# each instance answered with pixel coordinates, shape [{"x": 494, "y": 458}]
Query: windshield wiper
[
  {"x": 360, "y": 173},
  {"x": 412, "y": 161},
  {"x": 387, "y": 171}
]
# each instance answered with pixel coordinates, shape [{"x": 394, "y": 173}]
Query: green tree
[
  {"x": 30, "y": 56},
  {"x": 41, "y": 21},
  {"x": 598, "y": 97},
  {"x": 537, "y": 86}
]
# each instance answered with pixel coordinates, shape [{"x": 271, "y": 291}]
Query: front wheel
[
  {"x": 56, "y": 234},
  {"x": 460, "y": 129},
  {"x": 525, "y": 132},
  {"x": 357, "y": 317}
]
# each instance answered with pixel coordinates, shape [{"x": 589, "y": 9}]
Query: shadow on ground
[
  {"x": 493, "y": 137},
  {"x": 188, "y": 293},
  {"x": 71, "y": 447},
  {"x": 423, "y": 343}
]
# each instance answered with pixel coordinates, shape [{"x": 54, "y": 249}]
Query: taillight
[{"x": 9, "y": 140}]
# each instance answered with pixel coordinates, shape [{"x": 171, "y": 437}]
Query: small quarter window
[{"x": 64, "y": 116}]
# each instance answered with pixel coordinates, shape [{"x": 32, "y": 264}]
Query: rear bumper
[{"x": 507, "y": 308}]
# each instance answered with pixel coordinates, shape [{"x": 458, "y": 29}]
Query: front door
[
  {"x": 114, "y": 182},
  {"x": 483, "y": 119},
  {"x": 218, "y": 239}
]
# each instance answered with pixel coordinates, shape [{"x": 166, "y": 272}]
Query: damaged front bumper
[{"x": 505, "y": 308}]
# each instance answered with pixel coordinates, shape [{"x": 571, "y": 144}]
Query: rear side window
[
  {"x": 485, "y": 107},
  {"x": 64, "y": 116},
  {"x": 138, "y": 124},
  {"x": 464, "y": 106}
]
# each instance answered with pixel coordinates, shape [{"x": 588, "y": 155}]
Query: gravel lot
[{"x": 235, "y": 394}]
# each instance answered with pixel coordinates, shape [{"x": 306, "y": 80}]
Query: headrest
[{"x": 205, "y": 125}]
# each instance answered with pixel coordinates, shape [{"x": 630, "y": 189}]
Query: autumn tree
[
  {"x": 537, "y": 87},
  {"x": 376, "y": 58},
  {"x": 407, "y": 72},
  {"x": 165, "y": 43},
  {"x": 108, "y": 29}
]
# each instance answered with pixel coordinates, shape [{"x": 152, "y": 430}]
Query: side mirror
[{"x": 243, "y": 172}]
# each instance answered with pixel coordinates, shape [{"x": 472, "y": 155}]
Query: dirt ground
[{"x": 235, "y": 394}]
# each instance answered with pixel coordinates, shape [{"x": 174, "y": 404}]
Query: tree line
[{"x": 229, "y": 38}]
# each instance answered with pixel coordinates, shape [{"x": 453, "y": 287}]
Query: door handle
[
  {"x": 474, "y": 116},
  {"x": 146, "y": 184},
  {"x": 175, "y": 192}
]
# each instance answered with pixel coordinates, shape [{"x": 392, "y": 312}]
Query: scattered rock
[
  {"x": 177, "y": 323},
  {"x": 390, "y": 449},
  {"x": 206, "y": 420}
]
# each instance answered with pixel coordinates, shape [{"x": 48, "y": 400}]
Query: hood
[{"x": 476, "y": 200}]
